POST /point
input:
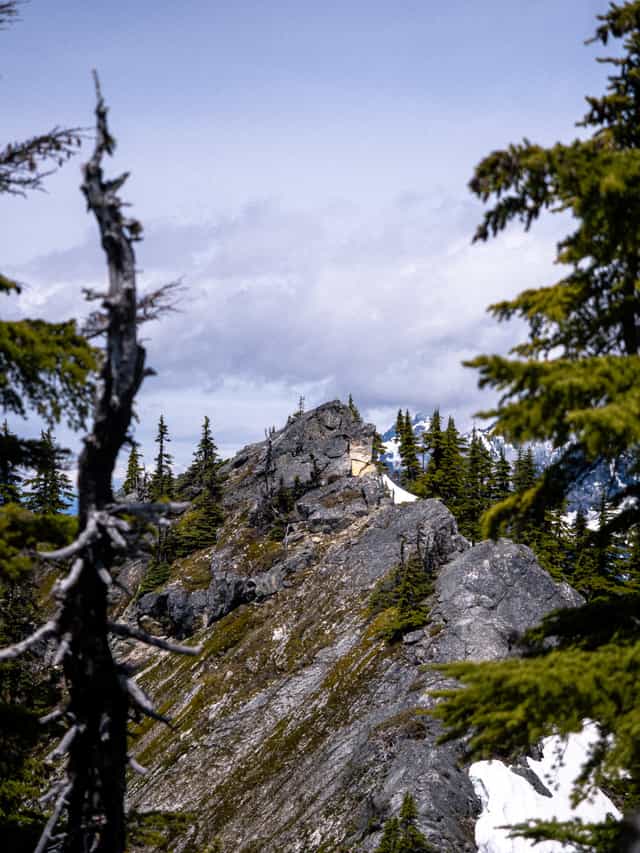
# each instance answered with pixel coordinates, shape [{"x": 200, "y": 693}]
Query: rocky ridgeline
[{"x": 299, "y": 728}]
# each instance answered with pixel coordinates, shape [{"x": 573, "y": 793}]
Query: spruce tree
[
  {"x": 162, "y": 479},
  {"x": 575, "y": 381},
  {"x": 133, "y": 481},
  {"x": 50, "y": 489}
]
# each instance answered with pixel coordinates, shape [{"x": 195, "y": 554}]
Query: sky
[{"x": 303, "y": 168}]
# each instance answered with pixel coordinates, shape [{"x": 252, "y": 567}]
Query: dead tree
[{"x": 102, "y": 693}]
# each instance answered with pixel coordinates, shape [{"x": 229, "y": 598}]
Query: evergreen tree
[
  {"x": 433, "y": 444},
  {"x": 452, "y": 477},
  {"x": 50, "y": 489},
  {"x": 501, "y": 478},
  {"x": 476, "y": 492},
  {"x": 575, "y": 380},
  {"x": 162, "y": 479},
  {"x": 199, "y": 526},
  {"x": 408, "y": 449},
  {"x": 10, "y": 478},
  {"x": 378, "y": 450},
  {"x": 524, "y": 471},
  {"x": 354, "y": 410},
  {"x": 203, "y": 469},
  {"x": 134, "y": 479},
  {"x": 401, "y": 835}
]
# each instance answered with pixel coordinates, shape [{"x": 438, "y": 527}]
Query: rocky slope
[{"x": 299, "y": 728}]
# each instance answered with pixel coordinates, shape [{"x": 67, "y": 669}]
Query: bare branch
[
  {"x": 8, "y": 13},
  {"x": 149, "y": 510},
  {"x": 50, "y": 718},
  {"x": 49, "y": 629},
  {"x": 137, "y": 768},
  {"x": 47, "y": 833},
  {"x": 88, "y": 535},
  {"x": 64, "y": 744},
  {"x": 143, "y": 703},
  {"x": 150, "y": 306},
  {"x": 63, "y": 585},
  {"x": 128, "y": 632}
]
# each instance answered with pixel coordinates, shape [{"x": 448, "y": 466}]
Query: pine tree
[
  {"x": 133, "y": 481},
  {"x": 576, "y": 380},
  {"x": 50, "y": 489},
  {"x": 162, "y": 479},
  {"x": 354, "y": 410}
]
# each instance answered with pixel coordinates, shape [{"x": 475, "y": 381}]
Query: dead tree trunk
[
  {"x": 101, "y": 692},
  {"x": 99, "y": 700}
]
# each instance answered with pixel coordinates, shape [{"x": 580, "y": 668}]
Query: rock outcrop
[{"x": 299, "y": 728}]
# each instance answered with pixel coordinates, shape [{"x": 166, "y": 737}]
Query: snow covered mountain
[{"x": 610, "y": 476}]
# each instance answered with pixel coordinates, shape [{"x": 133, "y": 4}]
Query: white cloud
[{"x": 382, "y": 303}]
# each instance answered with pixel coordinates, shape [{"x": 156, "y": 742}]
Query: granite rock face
[
  {"x": 299, "y": 728},
  {"x": 492, "y": 593}
]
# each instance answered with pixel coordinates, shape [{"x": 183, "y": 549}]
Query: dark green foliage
[
  {"x": 22, "y": 531},
  {"x": 576, "y": 379},
  {"x": 408, "y": 448},
  {"x": 444, "y": 476},
  {"x": 354, "y": 410},
  {"x": 378, "y": 449},
  {"x": 159, "y": 831},
  {"x": 162, "y": 480},
  {"x": 404, "y": 590},
  {"x": 10, "y": 456},
  {"x": 204, "y": 467},
  {"x": 198, "y": 528},
  {"x": 608, "y": 837},
  {"x": 401, "y": 835},
  {"x": 157, "y": 574},
  {"x": 50, "y": 489},
  {"x": 476, "y": 489},
  {"x": 134, "y": 479},
  {"x": 45, "y": 367},
  {"x": 501, "y": 478},
  {"x": 25, "y": 693}
]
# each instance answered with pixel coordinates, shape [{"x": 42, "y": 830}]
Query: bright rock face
[{"x": 509, "y": 797}]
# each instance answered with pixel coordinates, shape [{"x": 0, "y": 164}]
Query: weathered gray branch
[
  {"x": 131, "y": 633},
  {"x": 49, "y": 629},
  {"x": 46, "y": 836}
]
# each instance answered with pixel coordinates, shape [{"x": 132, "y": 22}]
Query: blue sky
[{"x": 303, "y": 166}]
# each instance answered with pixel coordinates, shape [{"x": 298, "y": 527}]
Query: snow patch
[
  {"x": 400, "y": 496},
  {"x": 508, "y": 798}
]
